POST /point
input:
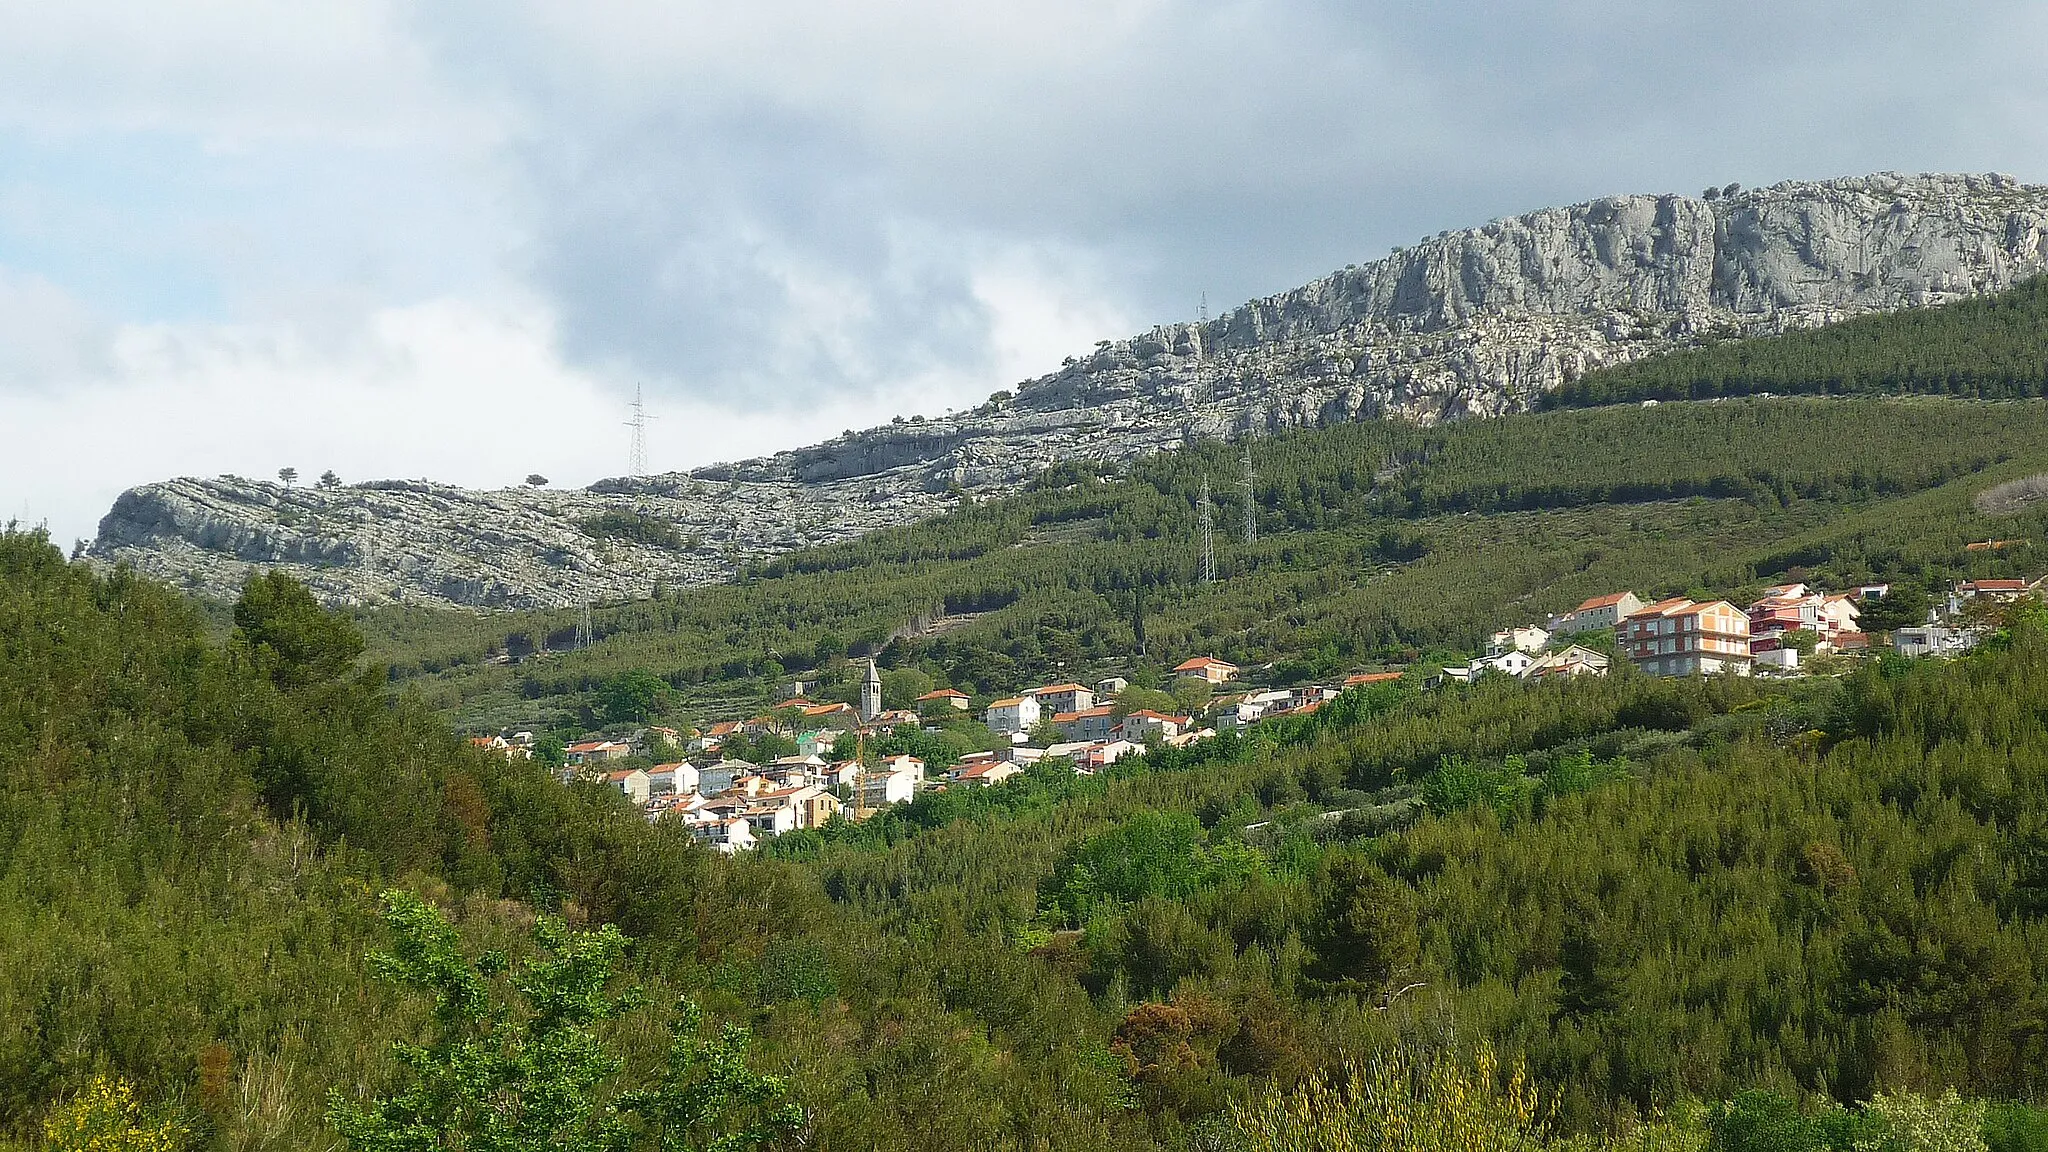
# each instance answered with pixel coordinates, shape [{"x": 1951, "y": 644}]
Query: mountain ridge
[{"x": 1470, "y": 323}]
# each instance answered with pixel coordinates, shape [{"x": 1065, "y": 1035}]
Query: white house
[
  {"x": 1933, "y": 640},
  {"x": 1597, "y": 613},
  {"x": 672, "y": 779},
  {"x": 1012, "y": 716},
  {"x": 1527, "y": 638},
  {"x": 1056, "y": 698},
  {"x": 1575, "y": 660},
  {"x": 727, "y": 835},
  {"x": 880, "y": 787}
]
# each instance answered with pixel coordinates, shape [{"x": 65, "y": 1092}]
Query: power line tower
[
  {"x": 1250, "y": 486},
  {"x": 584, "y": 630},
  {"x": 1208, "y": 535},
  {"x": 1205, "y": 308},
  {"x": 639, "y": 426}
]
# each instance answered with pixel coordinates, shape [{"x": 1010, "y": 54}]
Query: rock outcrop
[{"x": 1478, "y": 322}]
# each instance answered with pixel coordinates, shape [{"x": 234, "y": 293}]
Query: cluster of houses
[
  {"x": 1683, "y": 637},
  {"x": 732, "y": 804}
]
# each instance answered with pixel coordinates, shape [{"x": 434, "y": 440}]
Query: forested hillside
[
  {"x": 1990, "y": 348},
  {"x": 1376, "y": 541},
  {"x": 1645, "y": 891}
]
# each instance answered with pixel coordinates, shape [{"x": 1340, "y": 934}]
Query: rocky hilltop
[{"x": 1477, "y": 322}]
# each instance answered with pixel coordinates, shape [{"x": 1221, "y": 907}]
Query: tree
[
  {"x": 1802, "y": 640},
  {"x": 516, "y": 1060},
  {"x": 1045, "y": 733},
  {"x": 329, "y": 480},
  {"x": 1136, "y": 699},
  {"x": 288, "y": 475},
  {"x": 1904, "y": 606},
  {"x": 292, "y": 637},
  {"x": 1367, "y": 922},
  {"x": 536, "y": 480},
  {"x": 632, "y": 696}
]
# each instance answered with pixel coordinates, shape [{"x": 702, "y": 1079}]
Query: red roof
[
  {"x": 1053, "y": 689},
  {"x": 1607, "y": 601},
  {"x": 588, "y": 746},
  {"x": 1994, "y": 585},
  {"x": 1370, "y": 678},
  {"x": 1098, "y": 710},
  {"x": 1196, "y": 664},
  {"x": 1008, "y": 702},
  {"x": 945, "y": 694},
  {"x": 615, "y": 777},
  {"x": 724, "y": 728}
]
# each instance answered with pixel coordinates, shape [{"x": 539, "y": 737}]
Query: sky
[{"x": 450, "y": 239}]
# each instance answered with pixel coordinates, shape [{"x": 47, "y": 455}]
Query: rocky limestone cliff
[{"x": 1471, "y": 323}]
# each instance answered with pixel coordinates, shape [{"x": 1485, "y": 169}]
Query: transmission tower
[
  {"x": 1251, "y": 507},
  {"x": 1205, "y": 308},
  {"x": 1208, "y": 535},
  {"x": 584, "y": 630},
  {"x": 639, "y": 426}
]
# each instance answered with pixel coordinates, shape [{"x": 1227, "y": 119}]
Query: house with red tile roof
[
  {"x": 1599, "y": 612},
  {"x": 1207, "y": 668}
]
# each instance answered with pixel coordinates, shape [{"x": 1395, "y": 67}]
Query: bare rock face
[{"x": 1479, "y": 322}]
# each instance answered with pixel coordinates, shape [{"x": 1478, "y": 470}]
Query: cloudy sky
[{"x": 449, "y": 239}]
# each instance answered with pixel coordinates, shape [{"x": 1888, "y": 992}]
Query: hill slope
[
  {"x": 1378, "y": 540},
  {"x": 1477, "y": 322}
]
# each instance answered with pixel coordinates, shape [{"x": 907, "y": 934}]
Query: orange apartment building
[{"x": 1680, "y": 637}]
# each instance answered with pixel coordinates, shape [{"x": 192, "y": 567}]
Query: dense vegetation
[
  {"x": 1378, "y": 542},
  {"x": 1990, "y": 348},
  {"x": 1646, "y": 890}
]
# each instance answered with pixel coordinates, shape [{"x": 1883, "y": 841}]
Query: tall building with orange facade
[{"x": 1680, "y": 637}]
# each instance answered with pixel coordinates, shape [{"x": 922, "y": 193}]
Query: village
[{"x": 731, "y": 803}]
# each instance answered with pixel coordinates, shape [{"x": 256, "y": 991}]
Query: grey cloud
[{"x": 760, "y": 245}]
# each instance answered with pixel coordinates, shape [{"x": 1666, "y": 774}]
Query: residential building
[
  {"x": 817, "y": 743},
  {"x": 983, "y": 775},
  {"x": 727, "y": 835},
  {"x": 1934, "y": 640},
  {"x": 880, "y": 787},
  {"x": 1207, "y": 668},
  {"x": 893, "y": 718},
  {"x": 1056, "y": 698},
  {"x": 714, "y": 779},
  {"x": 1575, "y": 660},
  {"x": 1997, "y": 591},
  {"x": 840, "y": 717},
  {"x": 596, "y": 751},
  {"x": 1111, "y": 685},
  {"x": 946, "y": 698},
  {"x": 1527, "y": 638},
  {"x": 633, "y": 782},
  {"x": 1013, "y": 716},
  {"x": 672, "y": 779},
  {"x": 1093, "y": 724},
  {"x": 1599, "y": 612},
  {"x": 904, "y": 763},
  {"x": 1140, "y": 725},
  {"x": 1681, "y": 637}
]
